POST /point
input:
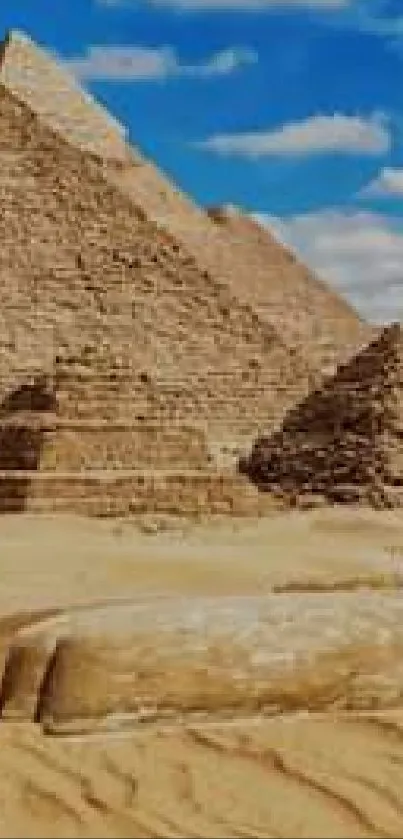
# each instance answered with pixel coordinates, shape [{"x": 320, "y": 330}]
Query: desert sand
[{"x": 230, "y": 679}]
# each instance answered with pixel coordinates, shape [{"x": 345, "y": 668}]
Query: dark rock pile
[{"x": 344, "y": 442}]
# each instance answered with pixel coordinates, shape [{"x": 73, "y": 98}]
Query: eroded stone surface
[{"x": 171, "y": 657}]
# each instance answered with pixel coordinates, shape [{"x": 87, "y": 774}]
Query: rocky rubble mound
[{"x": 344, "y": 442}]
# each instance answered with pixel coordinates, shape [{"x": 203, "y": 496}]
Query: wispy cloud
[
  {"x": 389, "y": 183},
  {"x": 363, "y": 15},
  {"x": 136, "y": 63},
  {"x": 385, "y": 27},
  {"x": 373, "y": 17},
  {"x": 316, "y": 135},
  {"x": 366, "y": 16},
  {"x": 360, "y": 253},
  {"x": 247, "y": 5}
]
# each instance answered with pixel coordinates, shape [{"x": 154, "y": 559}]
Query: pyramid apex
[
  {"x": 17, "y": 35},
  {"x": 38, "y": 79}
]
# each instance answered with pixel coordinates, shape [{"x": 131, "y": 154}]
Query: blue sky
[{"x": 291, "y": 109}]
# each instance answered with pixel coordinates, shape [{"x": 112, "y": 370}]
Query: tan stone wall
[
  {"x": 168, "y": 492},
  {"x": 308, "y": 314},
  {"x": 81, "y": 447}
]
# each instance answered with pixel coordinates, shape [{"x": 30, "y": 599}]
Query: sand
[{"x": 216, "y": 680}]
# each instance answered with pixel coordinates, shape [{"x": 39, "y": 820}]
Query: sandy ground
[{"x": 230, "y": 680}]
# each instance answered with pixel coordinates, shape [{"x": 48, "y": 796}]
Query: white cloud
[
  {"x": 315, "y": 135},
  {"x": 389, "y": 183},
  {"x": 359, "y": 253},
  {"x": 224, "y": 62},
  {"x": 248, "y": 5},
  {"x": 134, "y": 63},
  {"x": 370, "y": 17},
  {"x": 257, "y": 4}
]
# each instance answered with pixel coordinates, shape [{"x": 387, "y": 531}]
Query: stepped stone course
[{"x": 316, "y": 323}]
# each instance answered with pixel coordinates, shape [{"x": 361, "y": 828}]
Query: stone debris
[{"x": 344, "y": 442}]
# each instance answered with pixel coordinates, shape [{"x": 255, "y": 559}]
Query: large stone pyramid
[
  {"x": 319, "y": 323},
  {"x": 147, "y": 365},
  {"x": 345, "y": 441}
]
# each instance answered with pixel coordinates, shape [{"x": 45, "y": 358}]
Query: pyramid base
[
  {"x": 378, "y": 498},
  {"x": 182, "y": 493}
]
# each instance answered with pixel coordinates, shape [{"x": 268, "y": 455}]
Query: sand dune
[
  {"x": 219, "y": 681},
  {"x": 293, "y": 776}
]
